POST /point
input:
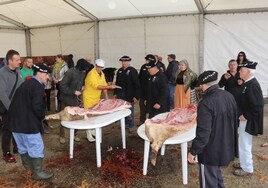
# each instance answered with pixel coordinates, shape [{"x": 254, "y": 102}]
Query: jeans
[{"x": 30, "y": 143}]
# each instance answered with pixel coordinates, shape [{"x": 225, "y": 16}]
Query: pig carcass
[
  {"x": 176, "y": 122},
  {"x": 105, "y": 106}
]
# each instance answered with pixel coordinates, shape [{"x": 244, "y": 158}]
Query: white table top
[
  {"x": 181, "y": 138},
  {"x": 96, "y": 121}
]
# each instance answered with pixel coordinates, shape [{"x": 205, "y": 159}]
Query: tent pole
[
  {"x": 96, "y": 40},
  {"x": 28, "y": 42},
  {"x": 201, "y": 43}
]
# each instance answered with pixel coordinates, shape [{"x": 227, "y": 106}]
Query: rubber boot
[
  {"x": 90, "y": 137},
  {"x": 26, "y": 161},
  {"x": 38, "y": 173}
]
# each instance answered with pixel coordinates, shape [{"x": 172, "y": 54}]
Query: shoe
[
  {"x": 15, "y": 150},
  {"x": 9, "y": 158},
  {"x": 76, "y": 138},
  {"x": 241, "y": 173},
  {"x": 62, "y": 140},
  {"x": 237, "y": 166},
  {"x": 90, "y": 137}
]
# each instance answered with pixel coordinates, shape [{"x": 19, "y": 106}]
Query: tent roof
[{"x": 38, "y": 13}]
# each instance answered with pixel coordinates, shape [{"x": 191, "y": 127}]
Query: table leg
[
  {"x": 163, "y": 148},
  {"x": 123, "y": 132},
  {"x": 98, "y": 146},
  {"x": 71, "y": 143},
  {"x": 184, "y": 163},
  {"x": 100, "y": 135},
  {"x": 146, "y": 156}
]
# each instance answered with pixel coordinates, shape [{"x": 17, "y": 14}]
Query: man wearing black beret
[
  {"x": 215, "y": 143},
  {"x": 250, "y": 105},
  {"x": 157, "y": 92},
  {"x": 128, "y": 79},
  {"x": 26, "y": 112}
]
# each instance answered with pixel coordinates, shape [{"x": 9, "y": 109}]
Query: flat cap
[{"x": 207, "y": 76}]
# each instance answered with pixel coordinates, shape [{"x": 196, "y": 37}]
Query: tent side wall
[
  {"x": 156, "y": 35},
  {"x": 228, "y": 34},
  {"x": 12, "y": 39},
  {"x": 75, "y": 39}
]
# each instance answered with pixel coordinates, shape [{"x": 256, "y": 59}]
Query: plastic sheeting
[
  {"x": 160, "y": 35},
  {"x": 227, "y": 35}
]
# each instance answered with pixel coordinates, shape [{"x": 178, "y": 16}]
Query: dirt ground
[{"x": 83, "y": 172}]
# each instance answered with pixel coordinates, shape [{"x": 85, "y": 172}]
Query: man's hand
[
  {"x": 240, "y": 82},
  {"x": 77, "y": 93},
  {"x": 191, "y": 158},
  {"x": 227, "y": 75},
  {"x": 242, "y": 118},
  {"x": 156, "y": 106}
]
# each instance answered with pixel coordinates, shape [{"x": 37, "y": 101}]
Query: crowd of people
[{"x": 25, "y": 93}]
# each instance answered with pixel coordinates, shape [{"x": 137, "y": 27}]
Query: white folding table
[
  {"x": 178, "y": 139},
  {"x": 97, "y": 122}
]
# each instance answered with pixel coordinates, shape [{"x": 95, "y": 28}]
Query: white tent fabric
[
  {"x": 112, "y": 28},
  {"x": 121, "y": 8},
  {"x": 162, "y": 36},
  {"x": 226, "y": 35}
]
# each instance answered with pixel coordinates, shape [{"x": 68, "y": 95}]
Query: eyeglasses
[{"x": 241, "y": 55}]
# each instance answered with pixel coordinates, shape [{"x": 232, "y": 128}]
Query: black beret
[
  {"x": 150, "y": 57},
  {"x": 249, "y": 65},
  {"x": 41, "y": 68},
  {"x": 207, "y": 76},
  {"x": 125, "y": 58},
  {"x": 173, "y": 56}
]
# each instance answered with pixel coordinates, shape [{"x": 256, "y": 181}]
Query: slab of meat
[
  {"x": 109, "y": 105},
  {"x": 176, "y": 122},
  {"x": 103, "y": 107}
]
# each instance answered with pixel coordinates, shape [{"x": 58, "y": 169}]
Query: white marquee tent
[{"x": 208, "y": 33}]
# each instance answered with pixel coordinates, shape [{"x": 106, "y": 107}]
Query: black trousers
[
  {"x": 48, "y": 92},
  {"x": 210, "y": 176},
  {"x": 6, "y": 136}
]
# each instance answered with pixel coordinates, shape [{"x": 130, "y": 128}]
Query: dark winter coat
[
  {"x": 251, "y": 105},
  {"x": 231, "y": 85},
  {"x": 216, "y": 133},
  {"x": 157, "y": 92},
  {"x": 171, "y": 71},
  {"x": 128, "y": 79},
  {"x": 143, "y": 76},
  {"x": 27, "y": 109},
  {"x": 72, "y": 81}
]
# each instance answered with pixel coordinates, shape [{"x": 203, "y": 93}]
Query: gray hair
[
  {"x": 184, "y": 61},
  {"x": 252, "y": 71},
  {"x": 212, "y": 83}
]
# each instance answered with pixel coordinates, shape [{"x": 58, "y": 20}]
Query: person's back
[
  {"x": 222, "y": 108},
  {"x": 72, "y": 81}
]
